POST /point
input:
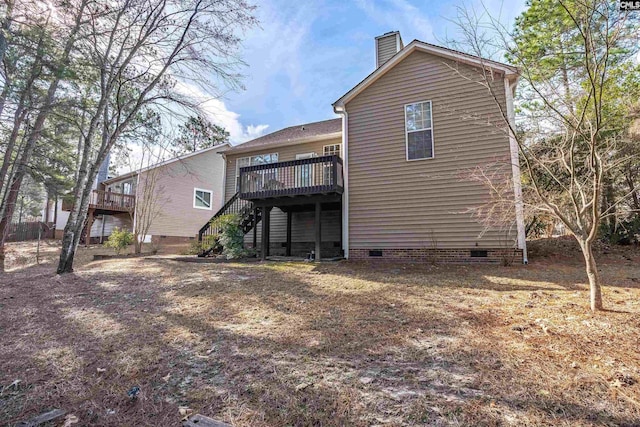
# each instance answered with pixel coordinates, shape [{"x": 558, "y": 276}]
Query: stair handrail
[{"x": 220, "y": 212}]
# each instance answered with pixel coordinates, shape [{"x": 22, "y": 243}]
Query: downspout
[
  {"x": 345, "y": 176},
  {"x": 224, "y": 178},
  {"x": 509, "y": 88}
]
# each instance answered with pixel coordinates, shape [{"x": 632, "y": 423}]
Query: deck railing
[
  {"x": 105, "y": 200},
  {"x": 316, "y": 175},
  {"x": 108, "y": 200}
]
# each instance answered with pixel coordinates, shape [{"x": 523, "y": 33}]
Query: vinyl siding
[
  {"x": 121, "y": 221},
  {"x": 395, "y": 203},
  {"x": 174, "y": 189},
  {"x": 302, "y": 226},
  {"x": 387, "y": 47}
]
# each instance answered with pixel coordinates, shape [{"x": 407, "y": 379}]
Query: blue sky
[{"x": 306, "y": 54}]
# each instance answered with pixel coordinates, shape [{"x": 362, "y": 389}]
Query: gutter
[
  {"x": 239, "y": 149},
  {"x": 224, "y": 178},
  {"x": 509, "y": 88},
  {"x": 341, "y": 110},
  {"x": 163, "y": 163}
]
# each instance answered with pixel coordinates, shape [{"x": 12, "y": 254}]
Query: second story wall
[
  {"x": 172, "y": 190},
  {"x": 397, "y": 203},
  {"x": 181, "y": 211}
]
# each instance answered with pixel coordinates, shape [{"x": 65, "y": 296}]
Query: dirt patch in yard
[{"x": 274, "y": 344}]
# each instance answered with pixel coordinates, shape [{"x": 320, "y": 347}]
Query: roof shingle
[{"x": 292, "y": 135}]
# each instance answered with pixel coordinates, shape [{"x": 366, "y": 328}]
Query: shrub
[
  {"x": 197, "y": 247},
  {"x": 119, "y": 239},
  {"x": 230, "y": 235}
]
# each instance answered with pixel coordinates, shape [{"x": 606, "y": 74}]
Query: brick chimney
[{"x": 387, "y": 45}]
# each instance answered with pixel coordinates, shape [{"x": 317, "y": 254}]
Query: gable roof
[
  {"x": 293, "y": 135},
  {"x": 165, "y": 162},
  {"x": 417, "y": 45}
]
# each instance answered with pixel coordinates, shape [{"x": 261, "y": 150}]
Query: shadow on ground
[{"x": 264, "y": 344}]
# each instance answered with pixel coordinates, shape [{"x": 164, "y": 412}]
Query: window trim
[
  {"x": 195, "y": 190},
  {"x": 254, "y": 155},
  {"x": 406, "y": 132},
  {"x": 237, "y": 178},
  {"x": 332, "y": 145}
]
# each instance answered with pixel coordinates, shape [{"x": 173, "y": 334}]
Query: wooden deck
[
  {"x": 305, "y": 177},
  {"x": 107, "y": 202}
]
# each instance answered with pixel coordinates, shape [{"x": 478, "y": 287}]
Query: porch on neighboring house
[
  {"x": 103, "y": 204},
  {"x": 308, "y": 192}
]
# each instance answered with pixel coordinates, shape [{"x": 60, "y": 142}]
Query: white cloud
[{"x": 217, "y": 112}]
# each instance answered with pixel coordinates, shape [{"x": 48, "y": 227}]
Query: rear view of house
[
  {"x": 392, "y": 178},
  {"x": 416, "y": 130}
]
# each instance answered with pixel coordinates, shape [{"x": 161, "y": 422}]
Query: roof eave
[
  {"x": 424, "y": 47},
  {"x": 267, "y": 146},
  {"x": 165, "y": 162}
]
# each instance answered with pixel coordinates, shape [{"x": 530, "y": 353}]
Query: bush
[
  {"x": 119, "y": 240},
  {"x": 196, "y": 247},
  {"x": 230, "y": 235}
]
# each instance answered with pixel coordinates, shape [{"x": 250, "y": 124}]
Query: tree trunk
[
  {"x": 73, "y": 231},
  {"x": 595, "y": 290},
  {"x": 34, "y": 136}
]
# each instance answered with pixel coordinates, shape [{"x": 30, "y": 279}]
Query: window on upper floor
[
  {"x": 202, "y": 198},
  {"x": 259, "y": 159},
  {"x": 419, "y": 130},
  {"x": 332, "y": 149}
]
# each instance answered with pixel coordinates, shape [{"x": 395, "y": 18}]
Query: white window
[
  {"x": 419, "y": 130},
  {"x": 127, "y": 187},
  {"x": 332, "y": 149},
  {"x": 202, "y": 198},
  {"x": 260, "y": 159}
]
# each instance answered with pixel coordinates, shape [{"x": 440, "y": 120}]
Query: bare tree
[
  {"x": 143, "y": 50},
  {"x": 567, "y": 132},
  {"x": 151, "y": 197}
]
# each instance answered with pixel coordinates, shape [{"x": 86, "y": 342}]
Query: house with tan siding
[
  {"x": 178, "y": 195},
  {"x": 392, "y": 177}
]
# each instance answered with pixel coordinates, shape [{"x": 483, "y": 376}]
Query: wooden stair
[{"x": 250, "y": 218}]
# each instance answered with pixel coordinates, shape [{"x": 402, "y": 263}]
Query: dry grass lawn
[{"x": 278, "y": 344}]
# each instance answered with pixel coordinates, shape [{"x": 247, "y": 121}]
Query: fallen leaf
[
  {"x": 184, "y": 412},
  {"x": 70, "y": 419}
]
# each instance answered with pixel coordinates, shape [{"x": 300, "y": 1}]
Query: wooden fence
[{"x": 19, "y": 232}]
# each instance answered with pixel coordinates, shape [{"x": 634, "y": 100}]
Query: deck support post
[
  {"x": 255, "y": 228},
  {"x": 289, "y": 215},
  {"x": 266, "y": 219},
  {"x": 341, "y": 225},
  {"x": 87, "y": 236},
  {"x": 318, "y": 231}
]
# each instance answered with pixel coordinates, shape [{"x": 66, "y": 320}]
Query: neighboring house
[
  {"x": 56, "y": 211},
  {"x": 391, "y": 178},
  {"x": 176, "y": 196}
]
